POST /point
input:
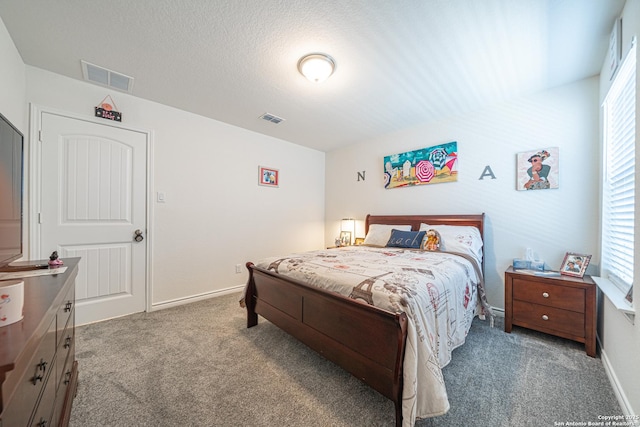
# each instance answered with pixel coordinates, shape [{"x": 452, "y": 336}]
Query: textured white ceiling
[{"x": 399, "y": 62}]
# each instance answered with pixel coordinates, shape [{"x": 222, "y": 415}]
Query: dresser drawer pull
[
  {"x": 42, "y": 366},
  {"x": 42, "y": 423},
  {"x": 67, "y": 306},
  {"x": 67, "y": 377},
  {"x": 545, "y": 294},
  {"x": 36, "y": 378},
  {"x": 545, "y": 317},
  {"x": 67, "y": 342}
]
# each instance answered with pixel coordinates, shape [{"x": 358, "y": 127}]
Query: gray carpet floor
[{"x": 198, "y": 365}]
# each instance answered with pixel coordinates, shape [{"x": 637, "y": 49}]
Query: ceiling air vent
[
  {"x": 271, "y": 118},
  {"x": 103, "y": 77}
]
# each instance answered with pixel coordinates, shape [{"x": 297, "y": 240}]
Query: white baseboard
[
  {"x": 181, "y": 301},
  {"x": 625, "y": 405},
  {"x": 499, "y": 312}
]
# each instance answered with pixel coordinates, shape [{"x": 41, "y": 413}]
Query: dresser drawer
[
  {"x": 563, "y": 297},
  {"x": 536, "y": 316},
  {"x": 33, "y": 379},
  {"x": 66, "y": 369},
  {"x": 64, "y": 312},
  {"x": 65, "y": 348},
  {"x": 45, "y": 408}
]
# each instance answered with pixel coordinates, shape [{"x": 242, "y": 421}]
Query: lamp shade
[{"x": 316, "y": 67}]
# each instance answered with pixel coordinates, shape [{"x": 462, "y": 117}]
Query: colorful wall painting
[
  {"x": 431, "y": 165},
  {"x": 538, "y": 169}
]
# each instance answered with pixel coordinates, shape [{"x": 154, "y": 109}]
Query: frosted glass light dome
[{"x": 316, "y": 67}]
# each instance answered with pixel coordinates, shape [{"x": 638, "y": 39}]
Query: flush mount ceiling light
[{"x": 316, "y": 67}]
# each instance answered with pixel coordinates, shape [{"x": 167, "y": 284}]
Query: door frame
[{"x": 34, "y": 167}]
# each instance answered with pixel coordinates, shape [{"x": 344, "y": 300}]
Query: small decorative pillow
[
  {"x": 458, "y": 238},
  {"x": 378, "y": 234},
  {"x": 406, "y": 239},
  {"x": 432, "y": 241}
]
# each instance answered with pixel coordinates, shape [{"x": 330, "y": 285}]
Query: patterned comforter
[{"x": 440, "y": 292}]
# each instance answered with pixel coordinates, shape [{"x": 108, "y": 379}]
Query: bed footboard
[{"x": 364, "y": 340}]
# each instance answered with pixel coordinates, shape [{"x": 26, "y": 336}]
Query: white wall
[
  {"x": 620, "y": 338},
  {"x": 215, "y": 215},
  {"x": 551, "y": 222}
]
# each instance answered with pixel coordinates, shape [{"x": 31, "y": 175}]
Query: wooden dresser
[
  {"x": 564, "y": 306},
  {"x": 38, "y": 370}
]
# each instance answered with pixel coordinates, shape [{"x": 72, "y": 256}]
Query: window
[{"x": 618, "y": 200}]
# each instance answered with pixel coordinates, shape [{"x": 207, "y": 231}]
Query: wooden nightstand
[{"x": 563, "y": 306}]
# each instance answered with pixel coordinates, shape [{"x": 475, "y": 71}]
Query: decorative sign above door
[{"x": 107, "y": 111}]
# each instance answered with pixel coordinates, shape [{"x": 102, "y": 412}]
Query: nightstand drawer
[
  {"x": 535, "y": 315},
  {"x": 563, "y": 297}
]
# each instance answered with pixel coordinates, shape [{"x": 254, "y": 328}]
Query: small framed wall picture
[
  {"x": 574, "y": 264},
  {"x": 359, "y": 241},
  {"x": 268, "y": 176}
]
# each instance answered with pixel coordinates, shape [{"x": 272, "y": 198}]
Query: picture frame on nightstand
[
  {"x": 345, "y": 238},
  {"x": 574, "y": 264},
  {"x": 629, "y": 296}
]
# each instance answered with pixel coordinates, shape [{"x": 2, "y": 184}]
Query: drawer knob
[
  {"x": 545, "y": 317},
  {"x": 42, "y": 366},
  {"x": 67, "y": 306},
  {"x": 67, "y": 377},
  {"x": 36, "y": 378},
  {"x": 67, "y": 342},
  {"x": 545, "y": 294},
  {"x": 42, "y": 423}
]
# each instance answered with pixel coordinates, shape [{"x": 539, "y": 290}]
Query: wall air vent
[
  {"x": 103, "y": 77},
  {"x": 271, "y": 118}
]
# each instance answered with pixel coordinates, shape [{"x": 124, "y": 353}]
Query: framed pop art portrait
[
  {"x": 538, "y": 169},
  {"x": 268, "y": 176}
]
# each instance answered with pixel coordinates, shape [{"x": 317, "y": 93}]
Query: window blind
[{"x": 618, "y": 200}]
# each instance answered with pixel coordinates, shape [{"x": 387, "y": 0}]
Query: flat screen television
[{"x": 11, "y": 192}]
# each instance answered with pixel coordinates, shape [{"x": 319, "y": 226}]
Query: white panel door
[{"x": 93, "y": 201}]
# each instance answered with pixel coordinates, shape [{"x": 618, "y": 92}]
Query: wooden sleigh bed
[{"x": 366, "y": 341}]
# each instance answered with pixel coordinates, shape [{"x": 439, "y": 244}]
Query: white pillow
[
  {"x": 379, "y": 234},
  {"x": 465, "y": 239}
]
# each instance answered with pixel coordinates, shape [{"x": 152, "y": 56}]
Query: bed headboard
[{"x": 415, "y": 220}]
